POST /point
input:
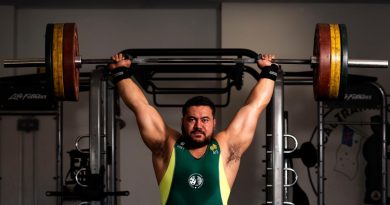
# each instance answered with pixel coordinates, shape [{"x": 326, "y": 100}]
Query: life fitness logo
[
  {"x": 195, "y": 181},
  {"x": 27, "y": 96},
  {"x": 354, "y": 96}
]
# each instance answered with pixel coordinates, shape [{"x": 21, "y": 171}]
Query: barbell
[{"x": 330, "y": 61}]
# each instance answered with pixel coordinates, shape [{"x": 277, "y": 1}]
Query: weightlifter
[{"x": 195, "y": 166}]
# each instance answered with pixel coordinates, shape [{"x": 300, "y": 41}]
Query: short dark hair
[{"x": 198, "y": 101}]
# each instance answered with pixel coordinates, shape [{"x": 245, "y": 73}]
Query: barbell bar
[
  {"x": 329, "y": 61},
  {"x": 40, "y": 62}
]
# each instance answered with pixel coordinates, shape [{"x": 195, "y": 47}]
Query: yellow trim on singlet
[
  {"x": 223, "y": 183},
  {"x": 166, "y": 181}
]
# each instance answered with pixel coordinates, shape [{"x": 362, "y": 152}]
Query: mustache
[{"x": 197, "y": 130}]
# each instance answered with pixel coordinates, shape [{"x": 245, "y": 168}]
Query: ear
[{"x": 215, "y": 122}]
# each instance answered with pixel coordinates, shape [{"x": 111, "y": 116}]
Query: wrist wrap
[
  {"x": 120, "y": 73},
  {"x": 270, "y": 72}
]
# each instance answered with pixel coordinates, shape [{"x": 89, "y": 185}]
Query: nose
[{"x": 197, "y": 124}]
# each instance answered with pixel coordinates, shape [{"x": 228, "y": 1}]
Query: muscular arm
[
  {"x": 155, "y": 133},
  {"x": 153, "y": 129},
  {"x": 240, "y": 132}
]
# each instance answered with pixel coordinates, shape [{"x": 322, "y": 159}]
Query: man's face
[{"x": 198, "y": 124}]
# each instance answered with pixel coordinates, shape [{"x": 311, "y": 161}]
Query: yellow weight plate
[
  {"x": 55, "y": 60},
  {"x": 334, "y": 84},
  {"x": 58, "y": 61}
]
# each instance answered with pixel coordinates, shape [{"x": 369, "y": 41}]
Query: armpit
[{"x": 234, "y": 154}]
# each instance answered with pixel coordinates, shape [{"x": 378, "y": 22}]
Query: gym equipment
[
  {"x": 330, "y": 60},
  {"x": 307, "y": 153},
  {"x": 363, "y": 94},
  {"x": 16, "y": 96}
]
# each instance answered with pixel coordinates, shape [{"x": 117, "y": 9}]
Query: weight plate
[
  {"x": 48, "y": 56},
  {"x": 70, "y": 52},
  {"x": 322, "y": 49},
  {"x": 335, "y": 59},
  {"x": 344, "y": 61},
  {"x": 57, "y": 56}
]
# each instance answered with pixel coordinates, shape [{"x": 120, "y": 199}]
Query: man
[{"x": 195, "y": 166}]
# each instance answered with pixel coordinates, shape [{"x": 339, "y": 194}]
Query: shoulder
[
  {"x": 221, "y": 139},
  {"x": 230, "y": 152}
]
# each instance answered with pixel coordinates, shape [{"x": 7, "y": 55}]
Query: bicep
[
  {"x": 153, "y": 129},
  {"x": 239, "y": 133},
  {"x": 242, "y": 128}
]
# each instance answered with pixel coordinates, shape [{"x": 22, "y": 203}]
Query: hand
[
  {"x": 265, "y": 60},
  {"x": 120, "y": 61}
]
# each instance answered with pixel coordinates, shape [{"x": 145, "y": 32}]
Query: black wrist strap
[
  {"x": 120, "y": 73},
  {"x": 270, "y": 72}
]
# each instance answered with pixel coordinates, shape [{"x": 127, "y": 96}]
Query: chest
[{"x": 204, "y": 165}]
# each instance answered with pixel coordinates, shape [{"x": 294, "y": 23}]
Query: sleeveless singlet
[{"x": 191, "y": 181}]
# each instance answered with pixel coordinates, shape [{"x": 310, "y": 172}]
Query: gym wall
[{"x": 7, "y": 20}]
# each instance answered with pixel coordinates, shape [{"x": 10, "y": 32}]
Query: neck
[
  {"x": 190, "y": 144},
  {"x": 196, "y": 149},
  {"x": 198, "y": 152}
]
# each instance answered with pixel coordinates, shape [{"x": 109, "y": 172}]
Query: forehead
[{"x": 199, "y": 110}]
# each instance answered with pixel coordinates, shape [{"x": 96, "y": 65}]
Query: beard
[{"x": 191, "y": 143}]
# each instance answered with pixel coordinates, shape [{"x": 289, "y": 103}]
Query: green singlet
[{"x": 191, "y": 181}]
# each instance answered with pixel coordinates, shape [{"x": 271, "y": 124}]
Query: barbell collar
[{"x": 78, "y": 61}]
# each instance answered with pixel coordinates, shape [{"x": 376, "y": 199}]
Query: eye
[
  {"x": 205, "y": 120},
  {"x": 191, "y": 119}
]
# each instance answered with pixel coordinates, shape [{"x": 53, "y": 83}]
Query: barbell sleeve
[
  {"x": 359, "y": 63},
  {"x": 28, "y": 62}
]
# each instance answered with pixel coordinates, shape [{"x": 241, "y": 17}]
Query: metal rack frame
[
  {"x": 104, "y": 131},
  {"x": 103, "y": 134},
  {"x": 321, "y": 163},
  {"x": 57, "y": 112}
]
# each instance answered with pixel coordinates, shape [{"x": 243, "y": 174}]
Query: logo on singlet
[
  {"x": 181, "y": 145},
  {"x": 214, "y": 148},
  {"x": 195, "y": 181}
]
